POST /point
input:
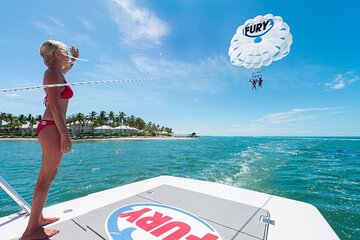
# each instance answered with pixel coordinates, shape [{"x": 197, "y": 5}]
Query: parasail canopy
[{"x": 260, "y": 41}]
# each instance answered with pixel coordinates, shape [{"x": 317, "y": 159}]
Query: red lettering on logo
[
  {"x": 149, "y": 223},
  {"x": 182, "y": 230},
  {"x": 208, "y": 236},
  {"x": 133, "y": 216},
  {"x": 159, "y": 225}
]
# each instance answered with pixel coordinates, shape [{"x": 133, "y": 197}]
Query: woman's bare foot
[
  {"x": 46, "y": 221},
  {"x": 39, "y": 233}
]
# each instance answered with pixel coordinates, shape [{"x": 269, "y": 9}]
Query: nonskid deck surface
[{"x": 168, "y": 212}]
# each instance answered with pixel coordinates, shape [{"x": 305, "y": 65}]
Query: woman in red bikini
[{"x": 52, "y": 133}]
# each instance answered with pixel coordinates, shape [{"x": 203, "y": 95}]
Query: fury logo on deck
[
  {"x": 156, "y": 221},
  {"x": 258, "y": 29}
]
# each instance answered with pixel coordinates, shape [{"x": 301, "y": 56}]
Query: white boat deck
[{"x": 173, "y": 208}]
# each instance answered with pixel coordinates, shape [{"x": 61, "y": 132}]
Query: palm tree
[
  {"x": 148, "y": 126},
  {"x": 131, "y": 121},
  {"x": 102, "y": 119},
  {"x": 2, "y": 117},
  {"x": 38, "y": 118},
  {"x": 32, "y": 122},
  {"x": 29, "y": 116},
  {"x": 121, "y": 118},
  {"x": 92, "y": 116},
  {"x": 139, "y": 123},
  {"x": 80, "y": 117},
  {"x": 125, "y": 121},
  {"x": 71, "y": 118},
  {"x": 11, "y": 118},
  {"x": 22, "y": 119},
  {"x": 111, "y": 118}
]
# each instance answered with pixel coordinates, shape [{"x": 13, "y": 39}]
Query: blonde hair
[{"x": 48, "y": 51}]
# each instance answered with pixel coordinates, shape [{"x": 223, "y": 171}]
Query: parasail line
[{"x": 95, "y": 82}]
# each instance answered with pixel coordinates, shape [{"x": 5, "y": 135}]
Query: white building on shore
[
  {"x": 104, "y": 129},
  {"x": 76, "y": 128},
  {"x": 124, "y": 130},
  {"x": 116, "y": 130},
  {"x": 26, "y": 128},
  {"x": 80, "y": 127}
]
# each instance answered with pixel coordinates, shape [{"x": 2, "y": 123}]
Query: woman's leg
[{"x": 50, "y": 141}]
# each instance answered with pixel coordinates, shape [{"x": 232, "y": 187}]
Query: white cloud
[
  {"x": 292, "y": 116},
  {"x": 83, "y": 39},
  {"x": 51, "y": 27},
  {"x": 57, "y": 22},
  {"x": 54, "y": 26},
  {"x": 45, "y": 27},
  {"x": 85, "y": 23},
  {"x": 342, "y": 80},
  {"x": 138, "y": 24},
  {"x": 204, "y": 76},
  {"x": 292, "y": 122}
]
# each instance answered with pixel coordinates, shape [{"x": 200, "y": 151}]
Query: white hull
[{"x": 289, "y": 219}]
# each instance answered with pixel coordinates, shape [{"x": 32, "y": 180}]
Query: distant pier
[{"x": 184, "y": 135}]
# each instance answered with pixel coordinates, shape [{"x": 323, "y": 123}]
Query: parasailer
[
  {"x": 259, "y": 42},
  {"x": 256, "y": 78}
]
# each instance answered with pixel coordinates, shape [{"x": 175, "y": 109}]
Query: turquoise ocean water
[{"x": 323, "y": 171}]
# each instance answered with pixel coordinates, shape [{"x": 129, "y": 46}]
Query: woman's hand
[
  {"x": 66, "y": 143},
  {"x": 74, "y": 53}
]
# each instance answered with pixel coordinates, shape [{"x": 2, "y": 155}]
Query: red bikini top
[{"x": 67, "y": 93}]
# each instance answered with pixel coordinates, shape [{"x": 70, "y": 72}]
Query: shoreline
[{"x": 103, "y": 139}]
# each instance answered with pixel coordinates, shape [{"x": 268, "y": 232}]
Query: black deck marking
[
  {"x": 95, "y": 232},
  {"x": 78, "y": 225}
]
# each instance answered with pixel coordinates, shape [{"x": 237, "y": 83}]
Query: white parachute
[{"x": 260, "y": 41}]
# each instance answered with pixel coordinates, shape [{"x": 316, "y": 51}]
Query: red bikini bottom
[{"x": 43, "y": 124}]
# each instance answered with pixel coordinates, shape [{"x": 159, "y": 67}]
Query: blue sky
[{"x": 312, "y": 91}]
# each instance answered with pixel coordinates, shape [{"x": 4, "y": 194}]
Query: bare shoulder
[{"x": 52, "y": 76}]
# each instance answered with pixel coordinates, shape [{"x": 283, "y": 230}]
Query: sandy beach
[
  {"x": 131, "y": 139},
  {"x": 106, "y": 139}
]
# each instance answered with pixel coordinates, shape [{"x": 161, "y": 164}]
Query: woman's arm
[
  {"x": 65, "y": 70},
  {"x": 74, "y": 55}
]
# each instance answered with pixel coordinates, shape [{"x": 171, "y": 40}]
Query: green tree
[
  {"x": 121, "y": 118},
  {"x": 168, "y": 130},
  {"x": 92, "y": 116},
  {"x": 139, "y": 123},
  {"x": 131, "y": 121},
  {"x": 2, "y": 118},
  {"x": 71, "y": 118},
  {"x": 11, "y": 119},
  {"x": 21, "y": 118},
  {"x": 102, "y": 119},
  {"x": 80, "y": 117},
  {"x": 38, "y": 118},
  {"x": 32, "y": 122},
  {"x": 111, "y": 117},
  {"x": 29, "y": 116}
]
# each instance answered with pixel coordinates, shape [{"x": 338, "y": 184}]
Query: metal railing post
[{"x": 25, "y": 207}]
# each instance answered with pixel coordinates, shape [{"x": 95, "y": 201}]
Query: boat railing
[{"x": 25, "y": 207}]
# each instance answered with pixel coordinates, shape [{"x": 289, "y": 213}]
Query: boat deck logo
[{"x": 148, "y": 221}]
